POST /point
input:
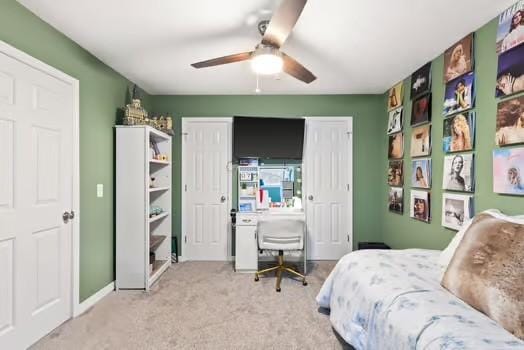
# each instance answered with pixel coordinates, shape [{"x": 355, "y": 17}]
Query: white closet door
[
  {"x": 328, "y": 187},
  {"x": 36, "y": 173},
  {"x": 206, "y": 181}
]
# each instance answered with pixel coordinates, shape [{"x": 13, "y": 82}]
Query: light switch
[{"x": 99, "y": 190}]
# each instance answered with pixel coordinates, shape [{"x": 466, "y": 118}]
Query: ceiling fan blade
[
  {"x": 223, "y": 60},
  {"x": 297, "y": 70},
  {"x": 282, "y": 22}
]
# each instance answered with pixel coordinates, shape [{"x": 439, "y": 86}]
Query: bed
[{"x": 392, "y": 299}]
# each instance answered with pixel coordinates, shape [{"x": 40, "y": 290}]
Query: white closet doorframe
[{"x": 26, "y": 59}]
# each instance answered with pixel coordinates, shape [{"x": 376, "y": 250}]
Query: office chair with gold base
[{"x": 283, "y": 233}]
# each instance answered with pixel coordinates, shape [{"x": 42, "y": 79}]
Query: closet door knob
[
  {"x": 222, "y": 199},
  {"x": 310, "y": 197},
  {"x": 68, "y": 216}
]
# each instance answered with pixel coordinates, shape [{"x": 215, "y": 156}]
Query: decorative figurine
[{"x": 135, "y": 114}]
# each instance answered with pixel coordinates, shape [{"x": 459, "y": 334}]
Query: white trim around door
[
  {"x": 183, "y": 243},
  {"x": 45, "y": 68}
]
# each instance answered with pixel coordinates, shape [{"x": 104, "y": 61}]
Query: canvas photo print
[
  {"x": 395, "y": 96},
  {"x": 510, "y": 31},
  {"x": 421, "y": 173},
  {"x": 396, "y": 200},
  {"x": 459, "y": 95},
  {"x": 510, "y": 72},
  {"x": 395, "y": 121},
  {"x": 510, "y": 122},
  {"x": 396, "y": 146},
  {"x": 421, "y": 81},
  {"x": 396, "y": 173},
  {"x": 456, "y": 210},
  {"x": 419, "y": 205},
  {"x": 421, "y": 110},
  {"x": 459, "y": 132},
  {"x": 508, "y": 171},
  {"x": 458, "y": 59},
  {"x": 421, "y": 141},
  {"x": 459, "y": 173}
]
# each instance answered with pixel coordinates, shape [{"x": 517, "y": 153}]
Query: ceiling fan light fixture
[{"x": 267, "y": 60}]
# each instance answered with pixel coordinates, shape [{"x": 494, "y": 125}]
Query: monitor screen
[{"x": 279, "y": 138}]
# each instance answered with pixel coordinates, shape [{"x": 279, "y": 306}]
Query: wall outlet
[{"x": 100, "y": 190}]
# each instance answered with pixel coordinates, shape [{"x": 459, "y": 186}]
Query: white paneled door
[
  {"x": 328, "y": 187},
  {"x": 206, "y": 185},
  {"x": 36, "y": 174}
]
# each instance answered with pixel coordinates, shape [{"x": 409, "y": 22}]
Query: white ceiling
[{"x": 352, "y": 46}]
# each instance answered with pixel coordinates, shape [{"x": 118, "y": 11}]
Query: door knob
[
  {"x": 222, "y": 199},
  {"x": 310, "y": 197},
  {"x": 66, "y": 216}
]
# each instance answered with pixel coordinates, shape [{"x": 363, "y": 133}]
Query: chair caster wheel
[
  {"x": 278, "y": 289},
  {"x": 256, "y": 278},
  {"x": 304, "y": 283}
]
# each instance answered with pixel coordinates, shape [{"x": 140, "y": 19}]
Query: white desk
[{"x": 246, "y": 244}]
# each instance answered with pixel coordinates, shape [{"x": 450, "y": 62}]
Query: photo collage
[
  {"x": 420, "y": 145},
  {"x": 508, "y": 159},
  {"x": 396, "y": 148},
  {"x": 459, "y": 126},
  {"x": 458, "y": 136}
]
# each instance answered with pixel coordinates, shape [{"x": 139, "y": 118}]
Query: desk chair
[{"x": 280, "y": 234}]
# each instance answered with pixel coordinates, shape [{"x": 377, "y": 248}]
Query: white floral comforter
[{"x": 392, "y": 299}]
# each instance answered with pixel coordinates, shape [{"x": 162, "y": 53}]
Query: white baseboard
[
  {"x": 93, "y": 299},
  {"x": 183, "y": 259}
]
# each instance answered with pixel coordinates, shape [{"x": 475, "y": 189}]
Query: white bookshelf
[
  {"x": 248, "y": 176},
  {"x": 138, "y": 233}
]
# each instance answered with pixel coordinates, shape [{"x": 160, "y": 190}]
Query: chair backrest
[{"x": 281, "y": 232}]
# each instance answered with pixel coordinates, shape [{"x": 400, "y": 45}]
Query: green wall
[
  {"x": 102, "y": 91},
  {"x": 366, "y": 110},
  {"x": 400, "y": 231}
]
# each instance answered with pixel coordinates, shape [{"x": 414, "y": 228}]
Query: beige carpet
[{"x": 205, "y": 305}]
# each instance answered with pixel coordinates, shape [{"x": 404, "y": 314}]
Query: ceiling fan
[{"x": 267, "y": 57}]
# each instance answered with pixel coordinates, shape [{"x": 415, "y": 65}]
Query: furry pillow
[
  {"x": 447, "y": 254},
  {"x": 487, "y": 271}
]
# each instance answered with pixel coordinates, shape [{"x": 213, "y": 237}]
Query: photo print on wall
[
  {"x": 395, "y": 121},
  {"x": 510, "y": 32},
  {"x": 459, "y": 95},
  {"x": 458, "y": 59},
  {"x": 510, "y": 72},
  {"x": 510, "y": 122},
  {"x": 421, "y": 110},
  {"x": 420, "y": 209},
  {"x": 396, "y": 146},
  {"x": 395, "y": 96},
  {"x": 421, "y": 141},
  {"x": 508, "y": 171},
  {"x": 421, "y": 173},
  {"x": 459, "y": 132},
  {"x": 457, "y": 209},
  {"x": 396, "y": 200},
  {"x": 421, "y": 81},
  {"x": 396, "y": 173},
  {"x": 459, "y": 173}
]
